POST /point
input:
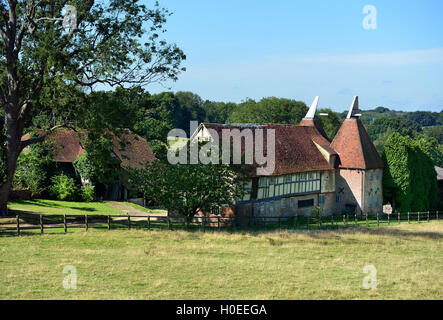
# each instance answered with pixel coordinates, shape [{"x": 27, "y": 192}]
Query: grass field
[
  {"x": 138, "y": 264},
  {"x": 54, "y": 207}
]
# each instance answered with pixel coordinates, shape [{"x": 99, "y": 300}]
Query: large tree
[{"x": 60, "y": 46}]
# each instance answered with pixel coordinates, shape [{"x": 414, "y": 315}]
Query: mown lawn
[
  {"x": 63, "y": 207},
  {"x": 139, "y": 264}
]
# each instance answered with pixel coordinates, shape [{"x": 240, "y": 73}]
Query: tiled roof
[
  {"x": 295, "y": 150},
  {"x": 354, "y": 147},
  {"x": 131, "y": 149}
]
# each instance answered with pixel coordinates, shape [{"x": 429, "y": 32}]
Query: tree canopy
[{"x": 51, "y": 53}]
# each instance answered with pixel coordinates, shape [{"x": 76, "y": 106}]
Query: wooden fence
[{"x": 41, "y": 222}]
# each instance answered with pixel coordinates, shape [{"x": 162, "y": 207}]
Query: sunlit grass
[{"x": 139, "y": 264}]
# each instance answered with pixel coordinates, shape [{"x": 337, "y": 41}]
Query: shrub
[
  {"x": 63, "y": 187},
  {"x": 88, "y": 193}
]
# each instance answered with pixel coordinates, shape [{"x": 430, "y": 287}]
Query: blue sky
[{"x": 299, "y": 49}]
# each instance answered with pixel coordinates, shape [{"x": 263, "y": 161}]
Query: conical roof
[{"x": 354, "y": 145}]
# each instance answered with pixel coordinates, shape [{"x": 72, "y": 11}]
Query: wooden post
[
  {"x": 332, "y": 220},
  {"x": 418, "y": 217},
  {"x": 218, "y": 223},
  {"x": 149, "y": 223},
  {"x": 389, "y": 219},
  {"x": 86, "y": 222},
  {"x": 109, "y": 223},
  {"x": 169, "y": 224},
  {"x": 129, "y": 222},
  {"x": 41, "y": 224},
  {"x": 203, "y": 223},
  {"x": 344, "y": 220},
  {"x": 367, "y": 220},
  {"x": 320, "y": 224},
  {"x": 378, "y": 219},
  {"x": 437, "y": 214},
  {"x": 409, "y": 219},
  {"x": 428, "y": 216},
  {"x": 399, "y": 218},
  {"x": 18, "y": 225},
  {"x": 356, "y": 219},
  {"x": 65, "y": 225}
]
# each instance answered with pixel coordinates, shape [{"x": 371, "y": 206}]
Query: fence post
[
  {"x": 320, "y": 224},
  {"x": 234, "y": 223},
  {"x": 356, "y": 219},
  {"x": 437, "y": 214},
  {"x": 418, "y": 217},
  {"x": 41, "y": 224},
  {"x": 218, "y": 223},
  {"x": 399, "y": 217},
  {"x": 389, "y": 219},
  {"x": 18, "y": 225},
  {"x": 203, "y": 223},
  {"x": 378, "y": 219},
  {"x": 279, "y": 223},
  {"x": 109, "y": 223},
  {"x": 308, "y": 221},
  {"x": 332, "y": 220},
  {"x": 149, "y": 223},
  {"x": 345, "y": 222},
  {"x": 129, "y": 222},
  {"x": 86, "y": 222},
  {"x": 428, "y": 216},
  {"x": 65, "y": 225},
  {"x": 169, "y": 224},
  {"x": 367, "y": 220},
  {"x": 295, "y": 221}
]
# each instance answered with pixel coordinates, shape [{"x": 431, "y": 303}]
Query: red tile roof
[
  {"x": 131, "y": 149},
  {"x": 354, "y": 147},
  {"x": 295, "y": 150}
]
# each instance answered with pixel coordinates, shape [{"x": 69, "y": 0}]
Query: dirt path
[{"x": 128, "y": 210}]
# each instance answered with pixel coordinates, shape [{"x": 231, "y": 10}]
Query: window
[
  {"x": 371, "y": 175},
  {"x": 272, "y": 187},
  {"x": 305, "y": 203},
  {"x": 377, "y": 174},
  {"x": 321, "y": 199}
]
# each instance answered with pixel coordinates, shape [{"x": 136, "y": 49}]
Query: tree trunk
[{"x": 5, "y": 188}]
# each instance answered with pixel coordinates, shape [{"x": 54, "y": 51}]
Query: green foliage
[
  {"x": 269, "y": 110},
  {"x": 187, "y": 189},
  {"x": 34, "y": 169},
  {"x": 331, "y": 123},
  {"x": 399, "y": 125},
  {"x": 63, "y": 188},
  {"x": 409, "y": 178},
  {"x": 87, "y": 193},
  {"x": 434, "y": 132},
  {"x": 86, "y": 168}
]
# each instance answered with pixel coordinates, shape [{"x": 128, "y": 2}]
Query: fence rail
[{"x": 28, "y": 221}]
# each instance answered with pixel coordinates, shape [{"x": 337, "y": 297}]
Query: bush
[
  {"x": 63, "y": 188},
  {"x": 88, "y": 193}
]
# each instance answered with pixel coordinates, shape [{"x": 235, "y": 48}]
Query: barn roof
[
  {"x": 295, "y": 150},
  {"x": 132, "y": 150},
  {"x": 355, "y": 148}
]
